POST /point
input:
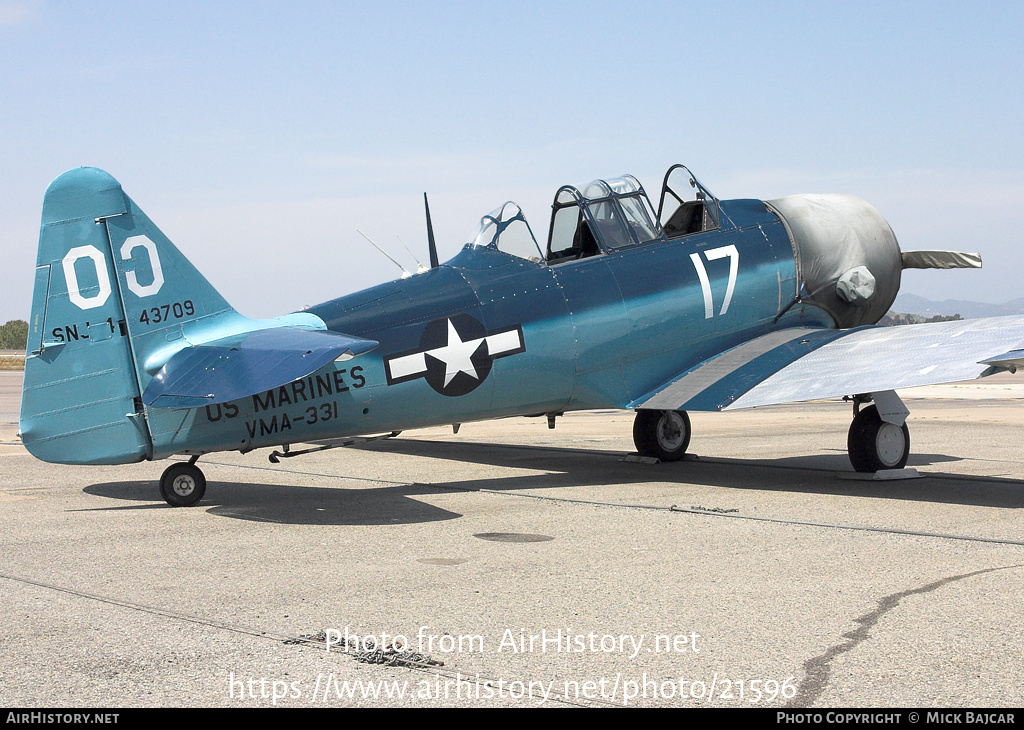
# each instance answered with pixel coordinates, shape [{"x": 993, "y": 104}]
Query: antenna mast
[{"x": 430, "y": 235}]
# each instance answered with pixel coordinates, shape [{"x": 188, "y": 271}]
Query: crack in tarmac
[{"x": 818, "y": 669}]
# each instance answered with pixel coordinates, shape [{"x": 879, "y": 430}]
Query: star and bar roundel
[{"x": 455, "y": 354}]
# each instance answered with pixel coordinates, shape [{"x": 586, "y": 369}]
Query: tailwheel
[
  {"x": 875, "y": 444},
  {"x": 661, "y": 434},
  {"x": 182, "y": 484}
]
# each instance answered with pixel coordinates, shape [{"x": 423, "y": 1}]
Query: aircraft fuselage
[{"x": 489, "y": 335}]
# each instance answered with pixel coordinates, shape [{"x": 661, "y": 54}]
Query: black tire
[
  {"x": 875, "y": 445},
  {"x": 661, "y": 434},
  {"x": 182, "y": 485}
]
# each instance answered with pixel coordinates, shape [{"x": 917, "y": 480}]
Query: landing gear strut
[
  {"x": 877, "y": 440},
  {"x": 661, "y": 434},
  {"x": 182, "y": 484}
]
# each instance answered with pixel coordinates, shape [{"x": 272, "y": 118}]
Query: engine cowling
[{"x": 847, "y": 257}]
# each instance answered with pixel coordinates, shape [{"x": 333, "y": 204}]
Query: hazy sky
[{"x": 260, "y": 136}]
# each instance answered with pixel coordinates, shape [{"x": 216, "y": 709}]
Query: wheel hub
[
  {"x": 671, "y": 431},
  {"x": 890, "y": 444},
  {"x": 183, "y": 485}
]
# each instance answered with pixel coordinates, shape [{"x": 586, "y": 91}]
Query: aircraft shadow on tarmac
[
  {"x": 555, "y": 468},
  {"x": 806, "y": 474},
  {"x": 295, "y": 505}
]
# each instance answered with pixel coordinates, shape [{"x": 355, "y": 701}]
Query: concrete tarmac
[{"x": 536, "y": 565}]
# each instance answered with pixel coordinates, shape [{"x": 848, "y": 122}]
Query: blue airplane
[{"x": 702, "y": 304}]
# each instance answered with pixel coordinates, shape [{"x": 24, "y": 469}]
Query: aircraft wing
[
  {"x": 241, "y": 365},
  {"x": 794, "y": 365}
]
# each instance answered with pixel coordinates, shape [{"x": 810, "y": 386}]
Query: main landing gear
[
  {"x": 878, "y": 440},
  {"x": 183, "y": 484},
  {"x": 661, "y": 434}
]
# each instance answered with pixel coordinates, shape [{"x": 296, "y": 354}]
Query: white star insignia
[{"x": 457, "y": 355}]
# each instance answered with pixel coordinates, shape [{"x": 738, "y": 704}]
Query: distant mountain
[
  {"x": 895, "y": 318},
  {"x": 913, "y": 304}
]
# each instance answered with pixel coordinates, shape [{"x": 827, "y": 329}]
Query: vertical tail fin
[{"x": 110, "y": 290}]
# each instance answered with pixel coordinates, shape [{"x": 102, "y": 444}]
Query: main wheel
[
  {"x": 874, "y": 444},
  {"x": 662, "y": 434},
  {"x": 182, "y": 485}
]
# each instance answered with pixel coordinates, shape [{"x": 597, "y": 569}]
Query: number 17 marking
[{"x": 702, "y": 273}]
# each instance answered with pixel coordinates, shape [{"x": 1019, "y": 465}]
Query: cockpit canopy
[
  {"x": 606, "y": 216},
  {"x": 505, "y": 229},
  {"x": 683, "y": 212}
]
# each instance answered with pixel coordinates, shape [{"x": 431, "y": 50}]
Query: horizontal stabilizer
[
  {"x": 941, "y": 260},
  {"x": 240, "y": 366},
  {"x": 1011, "y": 361}
]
